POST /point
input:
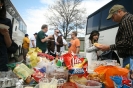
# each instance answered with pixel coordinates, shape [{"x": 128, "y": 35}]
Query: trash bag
[{"x": 109, "y": 55}]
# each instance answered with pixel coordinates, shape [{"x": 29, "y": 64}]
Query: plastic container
[
  {"x": 99, "y": 85},
  {"x": 69, "y": 85}
]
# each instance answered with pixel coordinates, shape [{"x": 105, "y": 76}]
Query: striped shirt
[{"x": 124, "y": 37}]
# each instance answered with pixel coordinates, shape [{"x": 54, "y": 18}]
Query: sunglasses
[{"x": 57, "y": 32}]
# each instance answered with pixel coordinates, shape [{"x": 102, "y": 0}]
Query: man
[
  {"x": 124, "y": 37},
  {"x": 55, "y": 44},
  {"x": 33, "y": 41},
  {"x": 74, "y": 45},
  {"x": 25, "y": 44},
  {"x": 42, "y": 38}
]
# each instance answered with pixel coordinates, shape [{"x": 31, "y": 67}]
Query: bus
[
  {"x": 19, "y": 27},
  {"x": 106, "y": 28}
]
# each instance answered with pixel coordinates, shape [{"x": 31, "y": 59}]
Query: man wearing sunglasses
[{"x": 55, "y": 43}]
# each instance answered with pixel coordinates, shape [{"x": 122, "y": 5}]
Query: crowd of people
[
  {"x": 51, "y": 44},
  {"x": 54, "y": 44}
]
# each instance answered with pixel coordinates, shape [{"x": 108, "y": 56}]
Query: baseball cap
[
  {"x": 35, "y": 33},
  {"x": 26, "y": 35},
  {"x": 114, "y": 9}
]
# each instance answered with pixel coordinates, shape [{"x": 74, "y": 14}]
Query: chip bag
[
  {"x": 121, "y": 81},
  {"x": 72, "y": 61},
  {"x": 23, "y": 71},
  {"x": 109, "y": 71},
  {"x": 37, "y": 75}
]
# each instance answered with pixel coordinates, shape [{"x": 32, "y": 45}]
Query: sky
[{"x": 33, "y": 11}]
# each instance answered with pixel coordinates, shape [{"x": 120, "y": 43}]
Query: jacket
[
  {"x": 92, "y": 50},
  {"x": 51, "y": 44}
]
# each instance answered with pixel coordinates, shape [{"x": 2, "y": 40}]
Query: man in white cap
[
  {"x": 33, "y": 41},
  {"x": 124, "y": 37}
]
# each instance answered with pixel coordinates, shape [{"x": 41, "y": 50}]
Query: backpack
[{"x": 13, "y": 48}]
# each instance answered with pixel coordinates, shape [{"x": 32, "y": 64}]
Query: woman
[
  {"x": 93, "y": 39},
  {"x": 5, "y": 37}
]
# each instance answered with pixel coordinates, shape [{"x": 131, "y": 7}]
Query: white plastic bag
[
  {"x": 44, "y": 83},
  {"x": 89, "y": 58}
]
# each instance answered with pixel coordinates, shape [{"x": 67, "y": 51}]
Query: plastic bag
[
  {"x": 109, "y": 71},
  {"x": 44, "y": 83}
]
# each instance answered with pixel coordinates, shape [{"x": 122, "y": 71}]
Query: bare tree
[{"x": 67, "y": 15}]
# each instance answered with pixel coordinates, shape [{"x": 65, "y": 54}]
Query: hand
[
  {"x": 47, "y": 39},
  {"x": 4, "y": 31},
  {"x": 50, "y": 36},
  {"x": 57, "y": 43},
  {"x": 103, "y": 47}
]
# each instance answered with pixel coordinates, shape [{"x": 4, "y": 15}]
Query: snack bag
[
  {"x": 67, "y": 60},
  {"x": 121, "y": 81},
  {"x": 49, "y": 57},
  {"x": 76, "y": 78},
  {"x": 23, "y": 71},
  {"x": 31, "y": 58},
  {"x": 38, "y": 50},
  {"x": 76, "y": 71},
  {"x": 37, "y": 75},
  {"x": 109, "y": 71},
  {"x": 131, "y": 70},
  {"x": 75, "y": 64},
  {"x": 72, "y": 61}
]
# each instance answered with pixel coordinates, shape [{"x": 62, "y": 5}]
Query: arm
[
  {"x": 10, "y": 29},
  {"x": 32, "y": 41},
  {"x": 112, "y": 47},
  {"x": 7, "y": 40},
  {"x": 45, "y": 39},
  {"x": 64, "y": 42},
  {"x": 127, "y": 41},
  {"x": 77, "y": 46},
  {"x": 77, "y": 49},
  {"x": 6, "y": 35},
  {"x": 59, "y": 41},
  {"x": 90, "y": 47}
]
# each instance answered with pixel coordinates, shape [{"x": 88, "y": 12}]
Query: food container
[
  {"x": 89, "y": 84},
  {"x": 69, "y": 85}
]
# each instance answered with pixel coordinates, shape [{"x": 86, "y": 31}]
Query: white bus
[
  {"x": 107, "y": 28},
  {"x": 19, "y": 27}
]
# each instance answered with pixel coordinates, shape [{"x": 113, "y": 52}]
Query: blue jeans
[{"x": 126, "y": 60}]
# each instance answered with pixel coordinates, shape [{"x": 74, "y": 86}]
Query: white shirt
[
  {"x": 32, "y": 39},
  {"x": 64, "y": 43},
  {"x": 91, "y": 50},
  {"x": 55, "y": 37}
]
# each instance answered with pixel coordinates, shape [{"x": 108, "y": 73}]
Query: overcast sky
[{"x": 33, "y": 11}]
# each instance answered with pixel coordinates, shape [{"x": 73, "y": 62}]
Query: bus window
[
  {"x": 109, "y": 23},
  {"x": 93, "y": 23},
  {"x": 104, "y": 22},
  {"x": 16, "y": 28},
  {"x": 127, "y": 5}
]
